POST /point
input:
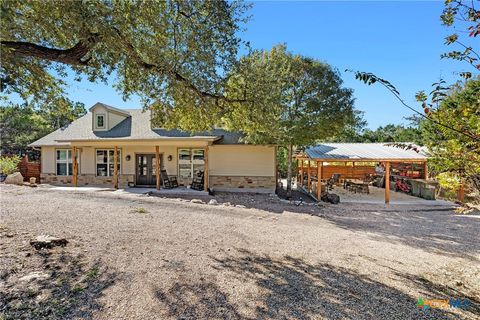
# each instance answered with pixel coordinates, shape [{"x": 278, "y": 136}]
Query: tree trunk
[{"x": 289, "y": 170}]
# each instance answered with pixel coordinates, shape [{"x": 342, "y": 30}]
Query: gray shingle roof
[
  {"x": 134, "y": 127},
  {"x": 358, "y": 151}
]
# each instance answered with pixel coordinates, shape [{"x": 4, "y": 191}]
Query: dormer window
[{"x": 100, "y": 121}]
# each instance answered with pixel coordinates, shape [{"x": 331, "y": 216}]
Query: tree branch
[{"x": 72, "y": 56}]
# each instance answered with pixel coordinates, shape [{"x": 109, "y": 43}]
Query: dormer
[{"x": 105, "y": 117}]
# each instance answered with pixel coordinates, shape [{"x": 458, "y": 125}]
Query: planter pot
[{"x": 2, "y": 177}]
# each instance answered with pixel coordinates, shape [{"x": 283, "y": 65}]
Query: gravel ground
[{"x": 140, "y": 257}]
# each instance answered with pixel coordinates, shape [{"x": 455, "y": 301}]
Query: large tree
[
  {"x": 296, "y": 100},
  {"x": 172, "y": 53}
]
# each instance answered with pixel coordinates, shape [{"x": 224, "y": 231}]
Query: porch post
[
  {"x": 309, "y": 181},
  {"x": 75, "y": 166},
  {"x": 205, "y": 170},
  {"x": 387, "y": 182},
  {"x": 115, "y": 167},
  {"x": 157, "y": 166},
  {"x": 425, "y": 170}
]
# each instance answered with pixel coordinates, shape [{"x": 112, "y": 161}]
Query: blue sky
[{"x": 399, "y": 41}]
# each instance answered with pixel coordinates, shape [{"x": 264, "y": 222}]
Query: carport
[{"x": 356, "y": 161}]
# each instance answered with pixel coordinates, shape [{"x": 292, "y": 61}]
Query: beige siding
[
  {"x": 111, "y": 118},
  {"x": 48, "y": 160},
  {"x": 224, "y": 160},
  {"x": 242, "y": 160}
]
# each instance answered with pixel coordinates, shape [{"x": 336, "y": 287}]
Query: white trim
[
  {"x": 108, "y": 161},
  {"x": 104, "y": 116},
  {"x": 66, "y": 161}
]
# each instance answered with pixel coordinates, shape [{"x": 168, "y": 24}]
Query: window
[
  {"x": 105, "y": 162},
  {"x": 190, "y": 162},
  {"x": 64, "y": 162},
  {"x": 100, "y": 121}
]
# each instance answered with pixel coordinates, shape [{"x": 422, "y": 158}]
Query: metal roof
[{"x": 362, "y": 151}]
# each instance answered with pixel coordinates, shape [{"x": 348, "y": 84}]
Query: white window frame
[
  {"x": 119, "y": 155},
  {"x": 191, "y": 161},
  {"x": 104, "y": 116},
  {"x": 67, "y": 161}
]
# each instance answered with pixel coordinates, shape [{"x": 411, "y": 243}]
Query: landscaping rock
[
  {"x": 330, "y": 197},
  {"x": 213, "y": 202},
  {"x": 46, "y": 241},
  {"x": 240, "y": 206},
  {"x": 34, "y": 275},
  {"x": 227, "y": 204},
  {"x": 196, "y": 201},
  {"x": 14, "y": 178}
]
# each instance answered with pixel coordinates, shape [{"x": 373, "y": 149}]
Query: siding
[{"x": 242, "y": 160}]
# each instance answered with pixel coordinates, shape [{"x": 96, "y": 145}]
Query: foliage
[
  {"x": 172, "y": 53},
  {"x": 462, "y": 15},
  {"x": 296, "y": 100},
  {"x": 387, "y": 133},
  {"x": 9, "y": 164},
  {"x": 21, "y": 125},
  {"x": 450, "y": 151}
]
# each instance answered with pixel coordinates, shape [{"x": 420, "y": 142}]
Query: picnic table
[{"x": 356, "y": 185}]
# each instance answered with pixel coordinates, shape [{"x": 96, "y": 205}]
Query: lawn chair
[
  {"x": 169, "y": 182},
  {"x": 333, "y": 180},
  {"x": 198, "y": 181}
]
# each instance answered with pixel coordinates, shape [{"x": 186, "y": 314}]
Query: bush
[{"x": 9, "y": 165}]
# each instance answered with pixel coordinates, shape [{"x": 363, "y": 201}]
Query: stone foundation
[
  {"x": 242, "y": 182},
  {"x": 87, "y": 179}
]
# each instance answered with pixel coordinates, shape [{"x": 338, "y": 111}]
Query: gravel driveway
[{"x": 140, "y": 257}]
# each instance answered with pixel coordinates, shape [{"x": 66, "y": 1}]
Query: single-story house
[{"x": 86, "y": 151}]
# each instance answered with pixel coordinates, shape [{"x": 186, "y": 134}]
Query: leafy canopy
[
  {"x": 295, "y": 100},
  {"x": 172, "y": 53}
]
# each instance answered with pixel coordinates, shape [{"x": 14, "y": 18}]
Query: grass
[
  {"x": 93, "y": 273},
  {"x": 142, "y": 210}
]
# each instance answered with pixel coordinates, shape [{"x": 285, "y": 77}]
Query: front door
[{"x": 146, "y": 169}]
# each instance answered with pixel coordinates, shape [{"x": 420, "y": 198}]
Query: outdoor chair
[
  {"x": 169, "y": 182},
  {"x": 333, "y": 180},
  {"x": 198, "y": 181}
]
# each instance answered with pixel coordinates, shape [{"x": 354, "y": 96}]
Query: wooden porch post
[
  {"x": 387, "y": 182},
  {"x": 205, "y": 170},
  {"x": 309, "y": 179},
  {"x": 319, "y": 179},
  {"x": 353, "y": 170},
  {"x": 157, "y": 166},
  {"x": 425, "y": 170},
  {"x": 115, "y": 167},
  {"x": 75, "y": 166}
]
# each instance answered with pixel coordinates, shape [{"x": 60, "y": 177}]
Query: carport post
[
  {"x": 425, "y": 170},
  {"x": 319, "y": 179},
  {"x": 205, "y": 170},
  {"x": 301, "y": 171},
  {"x": 309, "y": 181},
  {"x": 157, "y": 166},
  {"x": 387, "y": 182}
]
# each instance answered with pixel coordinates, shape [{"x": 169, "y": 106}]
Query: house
[{"x": 106, "y": 136}]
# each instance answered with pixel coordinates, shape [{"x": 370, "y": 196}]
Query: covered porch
[
  {"x": 162, "y": 165},
  {"x": 356, "y": 167}
]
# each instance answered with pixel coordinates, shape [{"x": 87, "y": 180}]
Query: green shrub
[{"x": 9, "y": 165}]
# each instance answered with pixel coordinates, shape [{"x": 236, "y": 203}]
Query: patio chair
[
  {"x": 169, "y": 182},
  {"x": 197, "y": 182},
  {"x": 333, "y": 180}
]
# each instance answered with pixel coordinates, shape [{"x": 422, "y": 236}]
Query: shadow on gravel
[
  {"x": 437, "y": 230},
  {"x": 290, "y": 288},
  {"x": 61, "y": 286}
]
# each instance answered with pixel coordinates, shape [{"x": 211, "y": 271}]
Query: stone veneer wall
[
  {"x": 87, "y": 179},
  {"x": 246, "y": 182}
]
